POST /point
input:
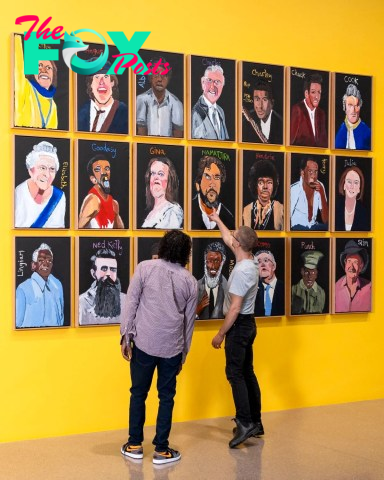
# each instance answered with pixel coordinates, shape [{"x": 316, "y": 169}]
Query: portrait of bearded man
[{"x": 101, "y": 304}]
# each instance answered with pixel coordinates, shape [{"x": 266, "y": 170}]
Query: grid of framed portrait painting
[{"x": 160, "y": 149}]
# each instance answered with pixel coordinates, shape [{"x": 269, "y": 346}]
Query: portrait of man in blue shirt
[{"x": 40, "y": 299}]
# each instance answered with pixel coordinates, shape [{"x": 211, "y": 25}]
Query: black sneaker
[
  {"x": 132, "y": 451},
  {"x": 168, "y": 456}
]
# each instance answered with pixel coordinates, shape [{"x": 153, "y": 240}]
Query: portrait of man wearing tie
[
  {"x": 270, "y": 299},
  {"x": 103, "y": 112},
  {"x": 208, "y": 118},
  {"x": 212, "y": 285}
]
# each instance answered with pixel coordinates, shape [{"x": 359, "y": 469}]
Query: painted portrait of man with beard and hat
[
  {"x": 99, "y": 209},
  {"x": 101, "y": 303},
  {"x": 213, "y": 284},
  {"x": 210, "y": 178}
]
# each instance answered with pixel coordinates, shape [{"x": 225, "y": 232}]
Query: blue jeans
[
  {"x": 239, "y": 369},
  {"x": 142, "y": 370}
]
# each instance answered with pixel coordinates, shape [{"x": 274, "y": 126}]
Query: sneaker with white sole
[
  {"x": 168, "y": 456},
  {"x": 132, "y": 451}
]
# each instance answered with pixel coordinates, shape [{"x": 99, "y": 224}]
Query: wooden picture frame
[
  {"x": 159, "y": 189},
  {"x": 308, "y": 89},
  {"x": 261, "y": 103},
  {"x": 35, "y": 159},
  {"x": 352, "y": 196},
  {"x": 218, "y": 123},
  {"x": 352, "y": 275},
  {"x": 108, "y": 206},
  {"x": 262, "y": 183},
  {"x": 212, "y": 263},
  {"x": 305, "y": 181},
  {"x": 309, "y": 276},
  {"x": 102, "y": 279},
  {"x": 352, "y": 127},
  {"x": 167, "y": 118},
  {"x": 39, "y": 101},
  {"x": 42, "y": 281},
  {"x": 212, "y": 173},
  {"x": 271, "y": 256},
  {"x": 92, "y": 98}
]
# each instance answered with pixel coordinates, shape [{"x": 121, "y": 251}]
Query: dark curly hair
[
  {"x": 94, "y": 159},
  {"x": 206, "y": 162},
  {"x": 262, "y": 169},
  {"x": 175, "y": 247}
]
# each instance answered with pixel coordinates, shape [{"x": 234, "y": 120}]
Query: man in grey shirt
[
  {"x": 158, "y": 111},
  {"x": 156, "y": 328},
  {"x": 239, "y": 331}
]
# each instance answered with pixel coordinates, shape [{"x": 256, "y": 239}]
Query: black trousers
[
  {"x": 239, "y": 369},
  {"x": 142, "y": 369}
]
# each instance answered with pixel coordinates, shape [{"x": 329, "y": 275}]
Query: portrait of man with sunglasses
[
  {"x": 210, "y": 177},
  {"x": 208, "y": 118}
]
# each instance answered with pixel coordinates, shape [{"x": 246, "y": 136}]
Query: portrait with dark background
[
  {"x": 95, "y": 50},
  {"x": 88, "y": 246},
  {"x": 228, "y": 191},
  {"x": 198, "y": 247},
  {"x": 117, "y": 153},
  {"x": 143, "y": 153},
  {"x": 365, "y": 166},
  {"x": 61, "y": 268},
  {"x": 364, "y": 84},
  {"x": 61, "y": 96},
  {"x": 227, "y": 100},
  {"x": 323, "y": 162},
  {"x": 24, "y": 145},
  {"x": 176, "y": 82},
  {"x": 308, "y": 244},
  {"x": 296, "y": 78},
  {"x": 249, "y": 158},
  {"x": 251, "y": 74},
  {"x": 277, "y": 247}
]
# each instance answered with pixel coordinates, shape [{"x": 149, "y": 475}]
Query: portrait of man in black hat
[
  {"x": 307, "y": 295},
  {"x": 103, "y": 112},
  {"x": 352, "y": 291}
]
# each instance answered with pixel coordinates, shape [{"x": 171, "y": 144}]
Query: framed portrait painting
[
  {"x": 353, "y": 112},
  {"x": 42, "y": 179},
  {"x": 42, "y": 282},
  {"x": 352, "y": 283},
  {"x": 212, "y": 263},
  {"x": 103, "y": 272},
  {"x": 40, "y": 100},
  {"x": 212, "y": 94},
  {"x": 102, "y": 196},
  {"x": 261, "y": 103},
  {"x": 102, "y": 98},
  {"x": 270, "y": 298},
  {"x": 212, "y": 184},
  {"x": 262, "y": 189},
  {"x": 309, "y": 177},
  {"x": 308, "y": 106},
  {"x": 159, "y": 172},
  {"x": 352, "y": 194},
  {"x": 159, "y": 97},
  {"x": 309, "y": 276}
]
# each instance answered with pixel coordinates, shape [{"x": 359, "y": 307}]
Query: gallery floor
[{"x": 339, "y": 442}]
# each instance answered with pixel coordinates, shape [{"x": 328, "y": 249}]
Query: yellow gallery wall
[{"x": 66, "y": 381}]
